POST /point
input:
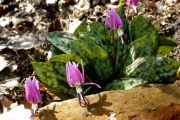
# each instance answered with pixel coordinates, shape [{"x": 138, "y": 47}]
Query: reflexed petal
[
  {"x": 35, "y": 82},
  {"x": 76, "y": 76},
  {"x": 32, "y": 92},
  {"x": 68, "y": 74},
  {"x": 92, "y": 84},
  {"x": 35, "y": 90},
  {"x": 73, "y": 74},
  {"x": 28, "y": 93},
  {"x": 75, "y": 65},
  {"x": 82, "y": 70}
]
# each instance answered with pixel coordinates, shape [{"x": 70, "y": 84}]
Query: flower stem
[
  {"x": 113, "y": 51},
  {"x": 81, "y": 97},
  {"x": 34, "y": 108}
]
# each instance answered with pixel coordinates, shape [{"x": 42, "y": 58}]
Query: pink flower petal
[
  {"x": 32, "y": 92},
  {"x": 73, "y": 74},
  {"x": 113, "y": 21}
]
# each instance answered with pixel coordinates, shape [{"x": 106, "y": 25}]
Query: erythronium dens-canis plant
[{"x": 140, "y": 60}]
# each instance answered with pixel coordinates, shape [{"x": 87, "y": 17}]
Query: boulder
[{"x": 151, "y": 102}]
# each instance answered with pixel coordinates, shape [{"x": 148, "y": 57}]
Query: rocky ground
[
  {"x": 24, "y": 22},
  {"x": 153, "y": 102}
]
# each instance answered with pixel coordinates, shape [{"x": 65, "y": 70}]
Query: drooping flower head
[
  {"x": 75, "y": 78},
  {"x": 32, "y": 92},
  {"x": 133, "y": 4},
  {"x": 74, "y": 75},
  {"x": 113, "y": 21}
]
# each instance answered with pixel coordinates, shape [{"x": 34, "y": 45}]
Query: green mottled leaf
[
  {"x": 103, "y": 68},
  {"x": 93, "y": 38},
  {"x": 153, "y": 69},
  {"x": 102, "y": 35},
  {"x": 140, "y": 27},
  {"x": 60, "y": 40},
  {"x": 166, "y": 41},
  {"x": 81, "y": 28},
  {"x": 144, "y": 46},
  {"x": 166, "y": 45},
  {"x": 124, "y": 84},
  {"x": 64, "y": 58},
  {"x": 121, "y": 57},
  {"x": 87, "y": 49},
  {"x": 164, "y": 50},
  {"x": 98, "y": 61},
  {"x": 101, "y": 30},
  {"x": 89, "y": 38},
  {"x": 52, "y": 74},
  {"x": 54, "y": 50}
]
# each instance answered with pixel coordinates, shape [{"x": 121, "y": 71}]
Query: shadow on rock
[
  {"x": 48, "y": 114},
  {"x": 169, "y": 89},
  {"x": 98, "y": 108}
]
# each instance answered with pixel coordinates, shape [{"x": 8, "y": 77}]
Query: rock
[
  {"x": 152, "y": 102},
  {"x": 51, "y": 2},
  {"x": 67, "y": 2},
  {"x": 13, "y": 114},
  {"x": 8, "y": 85},
  {"x": 175, "y": 54},
  {"x": 171, "y": 1},
  {"x": 3, "y": 63},
  {"x": 114, "y": 2},
  {"x": 159, "y": 6},
  {"x": 82, "y": 5}
]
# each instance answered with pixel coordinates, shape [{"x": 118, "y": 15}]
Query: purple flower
[
  {"x": 32, "y": 92},
  {"x": 133, "y": 4},
  {"x": 74, "y": 75},
  {"x": 113, "y": 21},
  {"x": 75, "y": 78}
]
